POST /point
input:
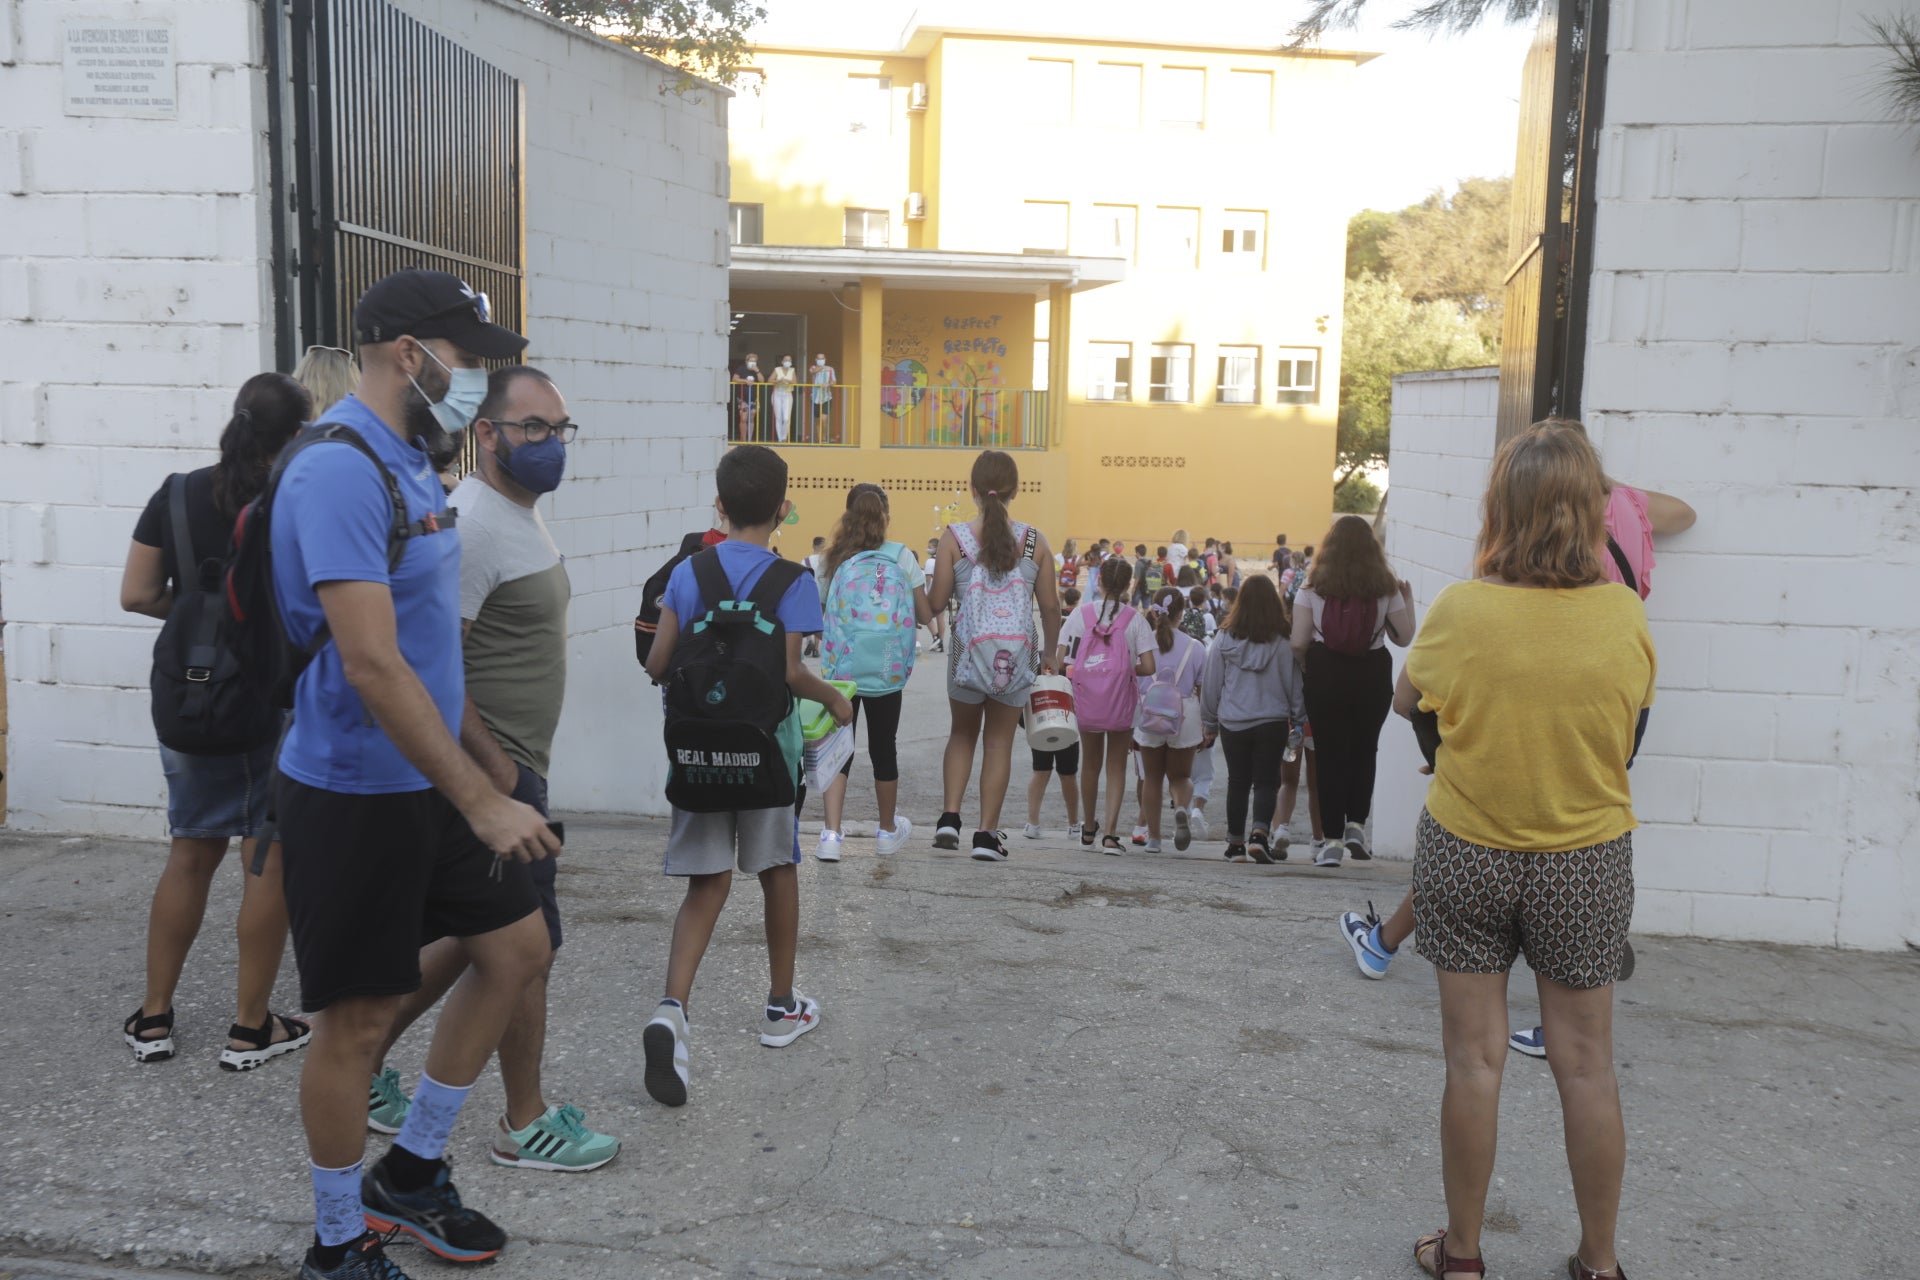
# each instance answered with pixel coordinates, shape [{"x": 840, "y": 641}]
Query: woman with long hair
[
  {"x": 991, "y": 566},
  {"x": 1350, "y": 608},
  {"x": 1166, "y": 758},
  {"x": 873, "y": 594},
  {"x": 1109, "y": 644},
  {"x": 329, "y": 375},
  {"x": 1250, "y": 699},
  {"x": 1539, "y": 673},
  {"x": 213, "y": 798}
]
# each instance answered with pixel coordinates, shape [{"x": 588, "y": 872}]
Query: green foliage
[
  {"x": 1899, "y": 35},
  {"x": 1388, "y": 333},
  {"x": 1451, "y": 16},
  {"x": 1454, "y": 249},
  {"x": 705, "y": 38},
  {"x": 1367, "y": 233},
  {"x": 1356, "y": 495}
]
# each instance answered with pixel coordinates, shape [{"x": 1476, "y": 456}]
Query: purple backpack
[{"x": 1104, "y": 691}]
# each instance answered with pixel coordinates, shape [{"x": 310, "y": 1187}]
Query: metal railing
[
  {"x": 954, "y": 417},
  {"x": 759, "y": 413}
]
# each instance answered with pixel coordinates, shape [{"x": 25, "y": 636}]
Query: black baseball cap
[{"x": 432, "y": 304}]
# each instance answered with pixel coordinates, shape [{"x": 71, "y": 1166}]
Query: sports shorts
[
  {"x": 1065, "y": 761},
  {"x": 372, "y": 879},
  {"x": 751, "y": 841}
]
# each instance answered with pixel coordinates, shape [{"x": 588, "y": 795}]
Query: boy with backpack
[{"x": 728, "y": 650}]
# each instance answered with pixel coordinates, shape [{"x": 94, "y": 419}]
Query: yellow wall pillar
[
  {"x": 1059, "y": 335},
  {"x": 869, "y": 327}
]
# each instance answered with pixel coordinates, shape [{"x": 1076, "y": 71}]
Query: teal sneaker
[
  {"x": 558, "y": 1140},
  {"x": 387, "y": 1102}
]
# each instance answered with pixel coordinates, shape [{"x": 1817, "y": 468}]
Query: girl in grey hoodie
[{"x": 1250, "y": 697}]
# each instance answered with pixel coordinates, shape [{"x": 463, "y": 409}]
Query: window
[
  {"x": 1042, "y": 354},
  {"x": 747, "y": 109},
  {"x": 1049, "y": 95},
  {"x": 745, "y": 223},
  {"x": 1116, "y": 95},
  {"x": 1109, "y": 370},
  {"x": 1110, "y": 232},
  {"x": 1176, "y": 238},
  {"x": 868, "y": 229},
  {"x": 870, "y": 105},
  {"x": 1183, "y": 97},
  {"x": 1044, "y": 226},
  {"x": 1239, "y": 376},
  {"x": 1249, "y": 100},
  {"x": 1296, "y": 378},
  {"x": 1243, "y": 239},
  {"x": 1171, "y": 374}
]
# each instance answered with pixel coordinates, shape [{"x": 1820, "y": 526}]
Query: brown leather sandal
[
  {"x": 1578, "y": 1270},
  {"x": 1438, "y": 1263}
]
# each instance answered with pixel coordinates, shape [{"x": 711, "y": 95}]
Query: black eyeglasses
[{"x": 535, "y": 430}]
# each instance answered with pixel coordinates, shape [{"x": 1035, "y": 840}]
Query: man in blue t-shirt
[
  {"x": 391, "y": 834},
  {"x": 706, "y": 847}
]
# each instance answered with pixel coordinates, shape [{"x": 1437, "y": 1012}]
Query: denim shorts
[{"x": 217, "y": 797}]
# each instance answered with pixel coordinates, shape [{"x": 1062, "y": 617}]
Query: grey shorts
[{"x": 753, "y": 840}]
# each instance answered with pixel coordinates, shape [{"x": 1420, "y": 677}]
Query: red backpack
[{"x": 1349, "y": 624}]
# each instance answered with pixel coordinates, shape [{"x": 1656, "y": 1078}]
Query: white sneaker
[
  {"x": 828, "y": 850},
  {"x": 1032, "y": 831},
  {"x": 1197, "y": 819},
  {"x": 1152, "y": 846},
  {"x": 783, "y": 1027},
  {"x": 1182, "y": 830},
  {"x": 892, "y": 842},
  {"x": 1140, "y": 834},
  {"x": 664, "y": 1041},
  {"x": 1327, "y": 853}
]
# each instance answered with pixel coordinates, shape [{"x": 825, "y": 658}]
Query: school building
[{"x": 1118, "y": 257}]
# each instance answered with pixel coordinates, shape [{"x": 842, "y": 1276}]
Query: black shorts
[
  {"x": 1065, "y": 761},
  {"x": 372, "y": 879},
  {"x": 531, "y": 789}
]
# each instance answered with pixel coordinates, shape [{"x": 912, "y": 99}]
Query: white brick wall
[
  {"x": 1755, "y": 322},
  {"x": 133, "y": 300}
]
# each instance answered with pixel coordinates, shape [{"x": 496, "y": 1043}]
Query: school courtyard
[{"x": 1062, "y": 1067}]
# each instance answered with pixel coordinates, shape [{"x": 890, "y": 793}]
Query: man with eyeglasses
[
  {"x": 513, "y": 611},
  {"x": 391, "y": 833}
]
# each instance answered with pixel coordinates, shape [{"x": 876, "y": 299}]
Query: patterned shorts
[{"x": 1476, "y": 908}]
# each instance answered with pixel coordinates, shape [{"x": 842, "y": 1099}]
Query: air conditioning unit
[
  {"x": 917, "y": 97},
  {"x": 916, "y": 206}
]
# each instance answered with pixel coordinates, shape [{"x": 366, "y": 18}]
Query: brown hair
[
  {"x": 996, "y": 479},
  {"x": 1545, "y": 515},
  {"x": 1255, "y": 616},
  {"x": 1574, "y": 424},
  {"x": 1169, "y": 604},
  {"x": 1116, "y": 575},
  {"x": 1351, "y": 565},
  {"x": 862, "y": 527}
]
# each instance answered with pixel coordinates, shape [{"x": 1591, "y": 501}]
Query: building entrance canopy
[{"x": 774, "y": 267}]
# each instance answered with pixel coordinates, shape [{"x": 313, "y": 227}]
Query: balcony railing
[
  {"x": 964, "y": 418},
  {"x": 757, "y": 413}
]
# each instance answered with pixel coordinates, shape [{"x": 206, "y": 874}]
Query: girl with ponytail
[
  {"x": 1110, "y": 645},
  {"x": 991, "y": 568},
  {"x": 1166, "y": 758}
]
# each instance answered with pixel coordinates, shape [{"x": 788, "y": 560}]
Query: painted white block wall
[
  {"x": 133, "y": 300},
  {"x": 1755, "y": 349}
]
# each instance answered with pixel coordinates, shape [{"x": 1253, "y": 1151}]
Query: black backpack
[
  {"x": 727, "y": 696},
  {"x": 203, "y": 704},
  {"x": 269, "y": 659},
  {"x": 646, "y": 623}
]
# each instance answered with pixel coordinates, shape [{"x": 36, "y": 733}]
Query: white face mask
[
  {"x": 787, "y": 363},
  {"x": 466, "y": 388},
  {"x": 753, "y": 364},
  {"x": 819, "y": 362}
]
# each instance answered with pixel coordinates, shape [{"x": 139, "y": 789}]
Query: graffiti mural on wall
[
  {"x": 942, "y": 376},
  {"x": 904, "y": 354}
]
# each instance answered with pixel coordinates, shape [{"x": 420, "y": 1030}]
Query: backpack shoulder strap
[
  {"x": 184, "y": 561},
  {"x": 711, "y": 577},
  {"x": 775, "y": 582},
  {"x": 402, "y": 528},
  {"x": 1031, "y": 541},
  {"x": 1620, "y": 559},
  {"x": 963, "y": 538}
]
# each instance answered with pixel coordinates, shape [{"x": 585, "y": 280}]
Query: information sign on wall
[{"x": 120, "y": 67}]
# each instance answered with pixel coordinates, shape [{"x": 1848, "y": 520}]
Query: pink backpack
[{"x": 1104, "y": 691}]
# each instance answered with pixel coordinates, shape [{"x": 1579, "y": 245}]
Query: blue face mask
[
  {"x": 537, "y": 468},
  {"x": 466, "y": 388}
]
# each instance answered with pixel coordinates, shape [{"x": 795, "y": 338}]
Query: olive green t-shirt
[{"x": 514, "y": 590}]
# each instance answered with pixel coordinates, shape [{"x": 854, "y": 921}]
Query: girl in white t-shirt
[
  {"x": 1106, "y": 743},
  {"x": 1166, "y": 760}
]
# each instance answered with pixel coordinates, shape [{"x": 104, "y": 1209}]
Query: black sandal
[
  {"x": 1088, "y": 831},
  {"x": 155, "y": 1050},
  {"x": 1111, "y": 846},
  {"x": 265, "y": 1047},
  {"x": 1441, "y": 1262}
]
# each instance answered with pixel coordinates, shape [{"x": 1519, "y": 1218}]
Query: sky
[{"x": 1430, "y": 111}]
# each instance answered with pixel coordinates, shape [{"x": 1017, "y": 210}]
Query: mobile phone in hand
[{"x": 559, "y": 830}]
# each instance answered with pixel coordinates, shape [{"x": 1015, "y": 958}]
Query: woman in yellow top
[{"x": 1539, "y": 672}]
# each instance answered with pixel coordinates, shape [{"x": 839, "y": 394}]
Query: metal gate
[
  {"x": 1550, "y": 237},
  {"x": 393, "y": 147}
]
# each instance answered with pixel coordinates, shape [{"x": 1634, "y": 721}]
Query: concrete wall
[{"x": 133, "y": 286}]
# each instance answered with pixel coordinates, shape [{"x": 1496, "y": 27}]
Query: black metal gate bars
[{"x": 392, "y": 147}]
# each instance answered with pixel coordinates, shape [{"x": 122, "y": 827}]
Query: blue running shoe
[
  {"x": 366, "y": 1260},
  {"x": 1363, "y": 935},
  {"x": 1532, "y": 1043},
  {"x": 433, "y": 1215}
]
